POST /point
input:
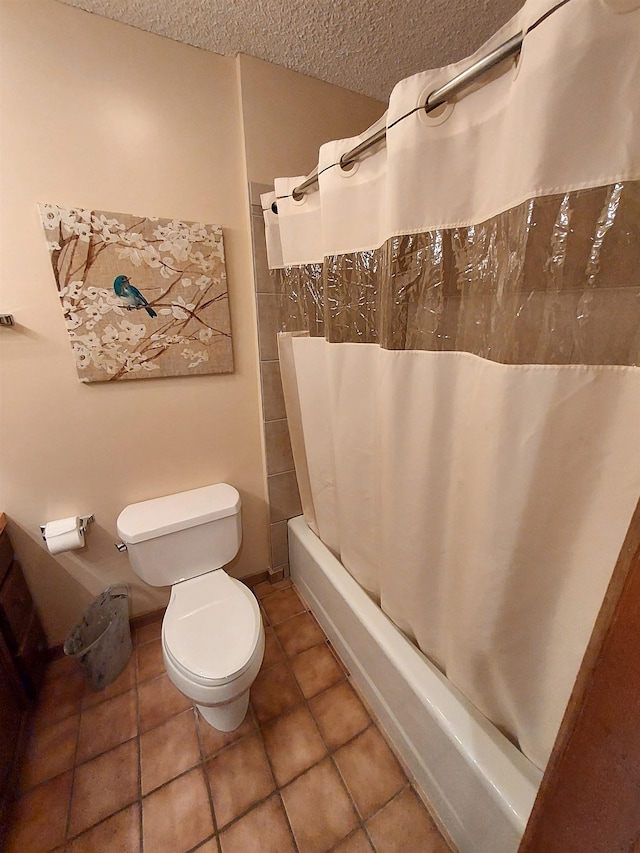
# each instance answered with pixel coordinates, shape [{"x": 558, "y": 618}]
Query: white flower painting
[{"x": 141, "y": 297}]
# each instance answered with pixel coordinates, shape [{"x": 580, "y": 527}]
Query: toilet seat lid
[{"x": 212, "y": 625}]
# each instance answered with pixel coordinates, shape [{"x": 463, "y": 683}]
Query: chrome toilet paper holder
[{"x": 85, "y": 521}]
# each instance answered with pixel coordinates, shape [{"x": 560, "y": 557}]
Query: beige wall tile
[
  {"x": 278, "y": 447},
  {"x": 272, "y": 397},
  {"x": 279, "y": 544},
  {"x": 256, "y": 190},
  {"x": 284, "y": 498},
  {"x": 265, "y": 283},
  {"x": 268, "y": 325}
]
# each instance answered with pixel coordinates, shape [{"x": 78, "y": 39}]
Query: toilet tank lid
[{"x": 159, "y": 516}]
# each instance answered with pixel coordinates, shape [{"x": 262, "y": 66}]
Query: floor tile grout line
[
  {"x": 356, "y": 810},
  {"x": 278, "y": 788},
  {"x": 103, "y": 752},
  {"x": 77, "y": 764},
  {"x": 22, "y": 792},
  {"x": 330, "y": 750},
  {"x": 388, "y": 802},
  {"x": 102, "y": 820},
  {"x": 289, "y": 658},
  {"x": 137, "y": 643},
  {"x": 155, "y": 790},
  {"x": 271, "y": 592},
  {"x": 306, "y": 700},
  {"x": 328, "y": 754},
  {"x": 410, "y": 783},
  {"x": 204, "y": 761},
  {"x": 226, "y": 747},
  {"x": 331, "y": 753},
  {"x": 140, "y": 827},
  {"x": 359, "y": 828},
  {"x": 153, "y": 675},
  {"x": 79, "y": 711},
  {"x": 257, "y": 728},
  {"x": 286, "y": 817},
  {"x": 292, "y": 615},
  {"x": 67, "y": 825},
  {"x": 204, "y": 841},
  {"x": 36, "y": 726},
  {"x": 287, "y": 618},
  {"x": 168, "y": 720},
  {"x": 141, "y": 797},
  {"x": 372, "y": 723},
  {"x": 275, "y": 627},
  {"x": 362, "y": 822},
  {"x": 407, "y": 787},
  {"x": 275, "y": 792},
  {"x": 348, "y": 677},
  {"x": 91, "y": 757},
  {"x": 179, "y": 775}
]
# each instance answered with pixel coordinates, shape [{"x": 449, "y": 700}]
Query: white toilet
[{"x": 212, "y": 632}]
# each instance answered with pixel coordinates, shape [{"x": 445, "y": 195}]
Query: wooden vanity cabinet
[
  {"x": 24, "y": 644},
  {"x": 23, "y": 658}
]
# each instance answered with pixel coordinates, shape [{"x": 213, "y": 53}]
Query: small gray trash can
[{"x": 101, "y": 641}]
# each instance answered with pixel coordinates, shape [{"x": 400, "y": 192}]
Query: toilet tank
[{"x": 176, "y": 537}]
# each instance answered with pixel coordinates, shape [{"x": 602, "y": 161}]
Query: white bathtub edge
[{"x": 480, "y": 785}]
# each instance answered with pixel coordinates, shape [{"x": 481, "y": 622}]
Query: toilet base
[{"x": 227, "y": 717}]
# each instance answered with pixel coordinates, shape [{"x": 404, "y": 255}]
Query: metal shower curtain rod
[{"x": 438, "y": 97}]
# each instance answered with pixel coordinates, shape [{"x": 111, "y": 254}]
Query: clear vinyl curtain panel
[
  {"x": 463, "y": 381},
  {"x": 555, "y": 280}
]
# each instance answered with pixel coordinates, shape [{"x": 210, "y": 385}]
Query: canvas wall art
[{"x": 141, "y": 296}]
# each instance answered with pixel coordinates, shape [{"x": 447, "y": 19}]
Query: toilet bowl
[
  {"x": 212, "y": 632},
  {"x": 213, "y": 645}
]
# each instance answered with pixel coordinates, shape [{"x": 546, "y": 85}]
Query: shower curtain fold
[
  {"x": 463, "y": 405},
  {"x": 479, "y": 512}
]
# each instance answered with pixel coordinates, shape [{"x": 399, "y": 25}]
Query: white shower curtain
[{"x": 464, "y": 412}]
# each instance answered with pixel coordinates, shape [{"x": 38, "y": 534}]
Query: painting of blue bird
[
  {"x": 110, "y": 268},
  {"x": 131, "y": 295}
]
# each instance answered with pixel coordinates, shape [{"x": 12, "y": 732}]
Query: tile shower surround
[
  {"x": 282, "y": 485},
  {"x": 134, "y": 768}
]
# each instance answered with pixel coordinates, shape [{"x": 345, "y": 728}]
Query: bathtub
[{"x": 479, "y": 786}]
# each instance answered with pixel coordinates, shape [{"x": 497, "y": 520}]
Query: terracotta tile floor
[{"x": 134, "y": 768}]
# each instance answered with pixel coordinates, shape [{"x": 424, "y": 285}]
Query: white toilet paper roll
[{"x": 64, "y": 534}]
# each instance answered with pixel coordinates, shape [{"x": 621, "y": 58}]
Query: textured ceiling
[{"x": 362, "y": 45}]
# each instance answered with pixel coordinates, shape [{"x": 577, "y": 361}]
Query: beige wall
[
  {"x": 288, "y": 116},
  {"x": 99, "y": 115}
]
